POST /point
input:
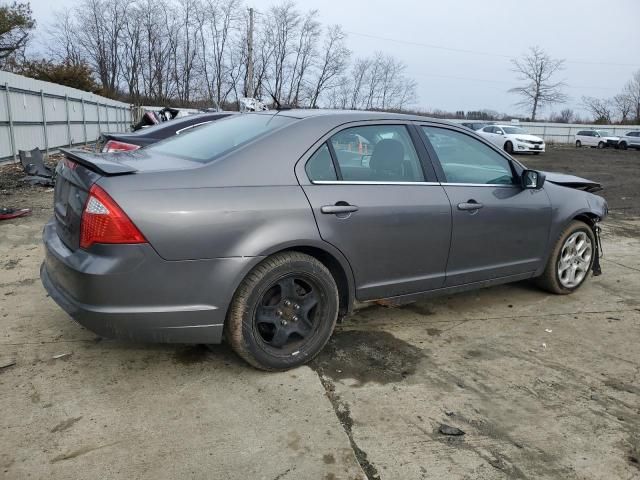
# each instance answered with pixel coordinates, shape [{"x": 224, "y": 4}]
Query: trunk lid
[{"x": 74, "y": 177}]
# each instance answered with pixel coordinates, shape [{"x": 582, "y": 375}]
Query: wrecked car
[
  {"x": 123, "y": 142},
  {"x": 266, "y": 227}
]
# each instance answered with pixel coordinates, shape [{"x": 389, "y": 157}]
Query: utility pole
[{"x": 250, "y": 55}]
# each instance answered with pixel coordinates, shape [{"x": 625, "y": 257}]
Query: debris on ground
[
  {"x": 7, "y": 213},
  {"x": 548, "y": 330},
  {"x": 37, "y": 172},
  {"x": 61, "y": 355},
  {"x": 449, "y": 430}
]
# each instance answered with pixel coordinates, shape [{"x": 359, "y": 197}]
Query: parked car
[
  {"x": 127, "y": 141},
  {"x": 630, "y": 140},
  {"x": 476, "y": 125},
  {"x": 596, "y": 138},
  {"x": 261, "y": 226},
  {"x": 513, "y": 139}
]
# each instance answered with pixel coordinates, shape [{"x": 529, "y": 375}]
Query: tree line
[{"x": 195, "y": 53}]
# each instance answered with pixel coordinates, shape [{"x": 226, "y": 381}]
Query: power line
[
  {"x": 477, "y": 52},
  {"x": 503, "y": 82}
]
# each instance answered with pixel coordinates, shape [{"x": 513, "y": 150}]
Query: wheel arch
[
  {"x": 344, "y": 281},
  {"x": 331, "y": 258},
  {"x": 587, "y": 217}
]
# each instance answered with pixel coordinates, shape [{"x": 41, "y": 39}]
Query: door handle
[
  {"x": 470, "y": 205},
  {"x": 338, "y": 209}
]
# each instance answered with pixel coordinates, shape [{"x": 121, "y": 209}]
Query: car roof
[{"x": 344, "y": 116}]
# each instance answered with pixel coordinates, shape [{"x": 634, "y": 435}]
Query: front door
[
  {"x": 499, "y": 229},
  {"x": 371, "y": 199}
]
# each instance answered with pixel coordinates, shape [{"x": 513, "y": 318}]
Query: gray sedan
[{"x": 267, "y": 227}]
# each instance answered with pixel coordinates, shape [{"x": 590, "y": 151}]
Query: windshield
[
  {"x": 603, "y": 133},
  {"x": 213, "y": 140},
  {"x": 512, "y": 130}
]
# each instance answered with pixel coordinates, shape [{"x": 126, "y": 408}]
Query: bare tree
[
  {"x": 624, "y": 106},
  {"x": 566, "y": 116},
  {"x": 632, "y": 90},
  {"x": 305, "y": 53},
  {"x": 601, "y": 109},
  {"x": 536, "y": 69},
  {"x": 332, "y": 63},
  {"x": 62, "y": 44},
  {"x": 220, "y": 21},
  {"x": 282, "y": 24},
  {"x": 194, "y": 52}
]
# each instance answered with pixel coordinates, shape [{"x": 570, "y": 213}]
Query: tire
[
  {"x": 271, "y": 324},
  {"x": 623, "y": 146},
  {"x": 551, "y": 279},
  {"x": 508, "y": 147},
  {"x": 600, "y": 145},
  {"x": 536, "y": 153},
  {"x": 578, "y": 143}
]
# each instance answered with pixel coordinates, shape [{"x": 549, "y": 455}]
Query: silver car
[
  {"x": 630, "y": 140},
  {"x": 266, "y": 227}
]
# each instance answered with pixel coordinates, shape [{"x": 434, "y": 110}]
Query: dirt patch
[
  {"x": 191, "y": 354},
  {"x": 368, "y": 356}
]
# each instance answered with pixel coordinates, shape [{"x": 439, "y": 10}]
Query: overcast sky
[{"x": 458, "y": 50}]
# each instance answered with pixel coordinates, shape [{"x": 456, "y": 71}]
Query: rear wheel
[
  {"x": 284, "y": 312},
  {"x": 600, "y": 144},
  {"x": 508, "y": 147},
  {"x": 578, "y": 143},
  {"x": 570, "y": 261}
]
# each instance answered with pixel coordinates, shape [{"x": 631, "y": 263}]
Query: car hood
[
  {"x": 611, "y": 138},
  {"x": 525, "y": 136},
  {"x": 572, "y": 181}
]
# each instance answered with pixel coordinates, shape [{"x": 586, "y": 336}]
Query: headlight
[{"x": 522, "y": 140}]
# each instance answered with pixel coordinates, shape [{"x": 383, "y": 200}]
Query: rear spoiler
[{"x": 98, "y": 162}]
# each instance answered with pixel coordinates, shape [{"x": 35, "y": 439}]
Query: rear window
[{"x": 209, "y": 142}]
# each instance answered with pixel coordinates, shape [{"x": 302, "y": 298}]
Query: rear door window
[
  {"x": 320, "y": 167},
  {"x": 376, "y": 153}
]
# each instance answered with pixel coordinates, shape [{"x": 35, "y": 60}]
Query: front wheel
[
  {"x": 623, "y": 146},
  {"x": 570, "y": 261},
  {"x": 578, "y": 143},
  {"x": 508, "y": 147},
  {"x": 600, "y": 144},
  {"x": 283, "y": 312}
]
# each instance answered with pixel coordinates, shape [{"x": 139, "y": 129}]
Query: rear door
[
  {"x": 376, "y": 200},
  {"x": 499, "y": 229}
]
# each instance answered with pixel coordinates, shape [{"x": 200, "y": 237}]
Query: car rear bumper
[{"x": 130, "y": 292}]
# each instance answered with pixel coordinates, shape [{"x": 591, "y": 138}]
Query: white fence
[
  {"x": 562, "y": 132},
  {"x": 47, "y": 115}
]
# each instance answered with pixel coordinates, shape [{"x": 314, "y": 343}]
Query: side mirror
[{"x": 531, "y": 179}]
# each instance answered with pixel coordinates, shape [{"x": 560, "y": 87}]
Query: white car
[
  {"x": 596, "y": 138},
  {"x": 512, "y": 139}
]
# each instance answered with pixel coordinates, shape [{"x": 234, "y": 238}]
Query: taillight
[
  {"x": 116, "y": 146},
  {"x": 103, "y": 221}
]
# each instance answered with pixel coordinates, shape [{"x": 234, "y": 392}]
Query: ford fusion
[{"x": 267, "y": 227}]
